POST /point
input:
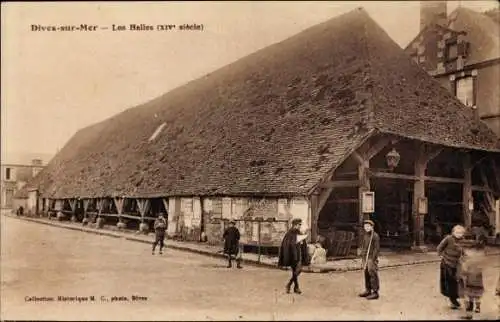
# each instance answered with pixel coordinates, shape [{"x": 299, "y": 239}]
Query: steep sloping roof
[{"x": 273, "y": 122}]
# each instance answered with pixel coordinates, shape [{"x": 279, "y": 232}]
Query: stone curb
[{"x": 247, "y": 261}]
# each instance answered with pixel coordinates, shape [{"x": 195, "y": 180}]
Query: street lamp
[{"x": 392, "y": 159}]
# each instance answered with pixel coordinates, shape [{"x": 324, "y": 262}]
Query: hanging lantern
[{"x": 392, "y": 159}]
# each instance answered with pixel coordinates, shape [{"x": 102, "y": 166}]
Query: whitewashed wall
[
  {"x": 31, "y": 205},
  {"x": 234, "y": 208},
  {"x": 172, "y": 218},
  {"x": 300, "y": 208}
]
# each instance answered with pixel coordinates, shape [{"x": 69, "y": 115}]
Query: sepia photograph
[{"x": 250, "y": 160}]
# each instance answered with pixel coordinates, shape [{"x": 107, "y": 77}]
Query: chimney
[{"x": 432, "y": 12}]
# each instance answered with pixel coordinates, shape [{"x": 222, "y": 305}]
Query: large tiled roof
[{"x": 274, "y": 122}]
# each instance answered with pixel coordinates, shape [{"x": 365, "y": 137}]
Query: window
[
  {"x": 465, "y": 90},
  {"x": 8, "y": 173},
  {"x": 451, "y": 51}
]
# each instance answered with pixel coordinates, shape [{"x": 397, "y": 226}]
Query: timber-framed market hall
[{"x": 333, "y": 125}]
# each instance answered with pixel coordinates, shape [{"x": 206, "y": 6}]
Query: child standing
[{"x": 471, "y": 278}]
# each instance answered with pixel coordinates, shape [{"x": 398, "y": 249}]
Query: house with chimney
[
  {"x": 14, "y": 178},
  {"x": 333, "y": 125},
  {"x": 462, "y": 52}
]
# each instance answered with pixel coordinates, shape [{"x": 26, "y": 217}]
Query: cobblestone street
[{"x": 45, "y": 261}]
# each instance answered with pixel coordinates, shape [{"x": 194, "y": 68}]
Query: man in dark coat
[
  {"x": 232, "y": 244},
  {"x": 369, "y": 253},
  {"x": 160, "y": 226},
  {"x": 293, "y": 253}
]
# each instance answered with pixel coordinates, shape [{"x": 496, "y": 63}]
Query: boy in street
[
  {"x": 232, "y": 244},
  {"x": 160, "y": 226},
  {"x": 369, "y": 253},
  {"x": 293, "y": 253},
  {"x": 471, "y": 278}
]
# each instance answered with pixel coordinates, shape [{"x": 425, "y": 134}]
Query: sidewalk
[{"x": 386, "y": 259}]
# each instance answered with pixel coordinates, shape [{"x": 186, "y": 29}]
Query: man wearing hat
[
  {"x": 160, "y": 226},
  {"x": 293, "y": 254},
  {"x": 369, "y": 253},
  {"x": 231, "y": 238}
]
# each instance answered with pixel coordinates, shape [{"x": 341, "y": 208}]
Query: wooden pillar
[
  {"x": 314, "y": 215},
  {"x": 467, "y": 192},
  {"x": 86, "y": 203},
  {"x": 72, "y": 205},
  {"x": 165, "y": 204},
  {"x": 418, "y": 193},
  {"x": 364, "y": 185},
  {"x": 119, "y": 206}
]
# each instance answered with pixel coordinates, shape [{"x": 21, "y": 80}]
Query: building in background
[
  {"x": 462, "y": 52},
  {"x": 14, "y": 177}
]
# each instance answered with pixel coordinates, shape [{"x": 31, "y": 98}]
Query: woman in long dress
[{"x": 450, "y": 250}]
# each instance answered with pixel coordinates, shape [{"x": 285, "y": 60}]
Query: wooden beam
[
  {"x": 165, "y": 204},
  {"x": 348, "y": 200},
  {"x": 431, "y": 153},
  {"x": 364, "y": 185},
  {"x": 359, "y": 159},
  {"x": 443, "y": 179},
  {"x": 72, "y": 204},
  {"x": 496, "y": 173},
  {"x": 379, "y": 146},
  {"x": 467, "y": 191},
  {"x": 323, "y": 197},
  {"x": 481, "y": 188},
  {"x": 119, "y": 204},
  {"x": 419, "y": 192},
  {"x": 340, "y": 184},
  {"x": 314, "y": 216},
  {"x": 391, "y": 175}
]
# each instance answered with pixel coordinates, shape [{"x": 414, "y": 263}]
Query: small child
[
  {"x": 471, "y": 278},
  {"x": 319, "y": 255}
]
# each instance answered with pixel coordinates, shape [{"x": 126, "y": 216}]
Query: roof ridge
[{"x": 371, "y": 111}]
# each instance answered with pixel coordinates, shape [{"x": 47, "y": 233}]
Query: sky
[{"x": 55, "y": 83}]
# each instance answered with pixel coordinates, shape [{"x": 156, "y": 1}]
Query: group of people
[
  {"x": 461, "y": 271},
  {"x": 461, "y": 268},
  {"x": 294, "y": 254}
]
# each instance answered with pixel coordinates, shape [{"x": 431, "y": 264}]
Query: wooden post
[
  {"x": 418, "y": 192},
  {"x": 119, "y": 206},
  {"x": 72, "y": 204},
  {"x": 165, "y": 205},
  {"x": 467, "y": 192},
  {"x": 314, "y": 215},
  {"x": 364, "y": 185},
  {"x": 260, "y": 222},
  {"x": 86, "y": 203}
]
